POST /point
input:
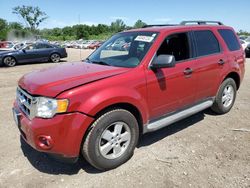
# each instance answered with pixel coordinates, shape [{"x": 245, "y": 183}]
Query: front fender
[
  {"x": 94, "y": 102},
  {"x": 109, "y": 97}
]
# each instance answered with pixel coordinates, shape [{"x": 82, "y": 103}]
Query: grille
[{"x": 26, "y": 102}]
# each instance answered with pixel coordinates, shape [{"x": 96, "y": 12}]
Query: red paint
[{"x": 91, "y": 88}]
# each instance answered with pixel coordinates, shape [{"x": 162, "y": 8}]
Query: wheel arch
[
  {"x": 235, "y": 76},
  {"x": 126, "y": 106},
  {"x": 123, "y": 105},
  {"x": 9, "y": 56},
  {"x": 55, "y": 52}
]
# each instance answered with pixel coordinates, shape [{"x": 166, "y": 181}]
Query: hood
[{"x": 52, "y": 81}]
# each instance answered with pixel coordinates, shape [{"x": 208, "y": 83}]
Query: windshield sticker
[{"x": 144, "y": 38}]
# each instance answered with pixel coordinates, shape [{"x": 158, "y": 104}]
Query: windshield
[{"x": 123, "y": 49}]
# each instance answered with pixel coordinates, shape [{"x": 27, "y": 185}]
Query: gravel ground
[{"x": 201, "y": 151}]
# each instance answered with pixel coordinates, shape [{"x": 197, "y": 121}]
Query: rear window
[
  {"x": 206, "y": 43},
  {"x": 230, "y": 39}
]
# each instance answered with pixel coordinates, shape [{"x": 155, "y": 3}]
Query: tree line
[
  {"x": 80, "y": 31},
  {"x": 75, "y": 32}
]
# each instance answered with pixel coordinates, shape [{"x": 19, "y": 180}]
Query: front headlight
[{"x": 47, "y": 107}]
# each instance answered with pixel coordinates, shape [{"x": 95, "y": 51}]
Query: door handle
[
  {"x": 221, "y": 62},
  {"x": 188, "y": 71}
]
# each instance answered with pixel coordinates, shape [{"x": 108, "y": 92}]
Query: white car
[
  {"x": 13, "y": 46},
  {"x": 244, "y": 44}
]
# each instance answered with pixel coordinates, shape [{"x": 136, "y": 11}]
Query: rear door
[
  {"x": 209, "y": 61},
  {"x": 236, "y": 53},
  {"x": 171, "y": 89},
  {"x": 44, "y": 51}
]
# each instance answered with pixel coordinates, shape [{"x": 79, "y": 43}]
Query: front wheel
[
  {"x": 225, "y": 98},
  {"x": 9, "y": 61},
  {"x": 55, "y": 57},
  {"x": 111, "y": 140}
]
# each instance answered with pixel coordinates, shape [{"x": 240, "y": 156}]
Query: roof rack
[
  {"x": 195, "y": 22},
  {"x": 201, "y": 22},
  {"x": 159, "y": 25}
]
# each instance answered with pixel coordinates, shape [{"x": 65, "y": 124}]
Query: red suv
[{"x": 98, "y": 108}]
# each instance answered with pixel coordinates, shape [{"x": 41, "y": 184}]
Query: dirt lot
[{"x": 200, "y": 151}]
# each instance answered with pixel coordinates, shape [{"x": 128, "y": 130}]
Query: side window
[
  {"x": 230, "y": 39},
  {"x": 206, "y": 43},
  {"x": 42, "y": 46},
  {"x": 176, "y": 45},
  {"x": 30, "y": 47}
]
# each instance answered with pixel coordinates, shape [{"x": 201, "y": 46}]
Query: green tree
[
  {"x": 241, "y": 32},
  {"x": 15, "y": 25},
  {"x": 32, "y": 16},
  {"x": 117, "y": 26},
  {"x": 67, "y": 31},
  {"x": 139, "y": 24},
  {"x": 81, "y": 31},
  {"x": 3, "y": 29}
]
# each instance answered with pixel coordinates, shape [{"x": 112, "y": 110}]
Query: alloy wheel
[
  {"x": 227, "y": 96},
  {"x": 115, "y": 140}
]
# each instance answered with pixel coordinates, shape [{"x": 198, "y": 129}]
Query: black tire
[
  {"x": 94, "y": 141},
  {"x": 219, "y": 105},
  {"x": 9, "y": 61},
  {"x": 55, "y": 57}
]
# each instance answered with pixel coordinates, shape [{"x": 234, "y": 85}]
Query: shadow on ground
[
  {"x": 44, "y": 163},
  {"x": 158, "y": 135},
  {"x": 47, "y": 164}
]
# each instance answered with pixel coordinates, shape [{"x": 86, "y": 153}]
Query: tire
[
  {"x": 9, "y": 61},
  {"x": 225, "y": 98},
  {"x": 111, "y": 140},
  {"x": 55, "y": 58}
]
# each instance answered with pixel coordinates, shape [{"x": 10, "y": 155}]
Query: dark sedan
[{"x": 37, "y": 52}]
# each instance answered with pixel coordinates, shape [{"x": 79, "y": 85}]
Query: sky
[{"x": 69, "y": 12}]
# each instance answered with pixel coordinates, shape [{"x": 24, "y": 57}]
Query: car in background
[
  {"x": 95, "y": 45},
  {"x": 6, "y": 44},
  {"x": 246, "y": 46},
  {"x": 86, "y": 44},
  {"x": 247, "y": 50},
  {"x": 243, "y": 43},
  {"x": 16, "y": 46},
  {"x": 243, "y": 37},
  {"x": 37, "y": 52}
]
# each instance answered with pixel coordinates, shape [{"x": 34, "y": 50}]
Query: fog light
[{"x": 45, "y": 142}]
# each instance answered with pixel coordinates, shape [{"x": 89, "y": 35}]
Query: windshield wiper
[
  {"x": 100, "y": 63},
  {"x": 97, "y": 62}
]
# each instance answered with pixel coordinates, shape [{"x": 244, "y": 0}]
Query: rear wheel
[
  {"x": 111, "y": 140},
  {"x": 225, "y": 98},
  {"x": 55, "y": 57},
  {"x": 9, "y": 61}
]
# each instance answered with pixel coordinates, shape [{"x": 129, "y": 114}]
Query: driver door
[
  {"x": 171, "y": 89},
  {"x": 29, "y": 54}
]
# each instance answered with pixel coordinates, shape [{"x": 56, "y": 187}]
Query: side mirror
[
  {"x": 24, "y": 51},
  {"x": 163, "y": 61}
]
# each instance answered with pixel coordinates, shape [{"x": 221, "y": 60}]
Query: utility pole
[{"x": 79, "y": 22}]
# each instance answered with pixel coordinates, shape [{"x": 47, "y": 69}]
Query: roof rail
[
  {"x": 201, "y": 22},
  {"x": 159, "y": 25}
]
